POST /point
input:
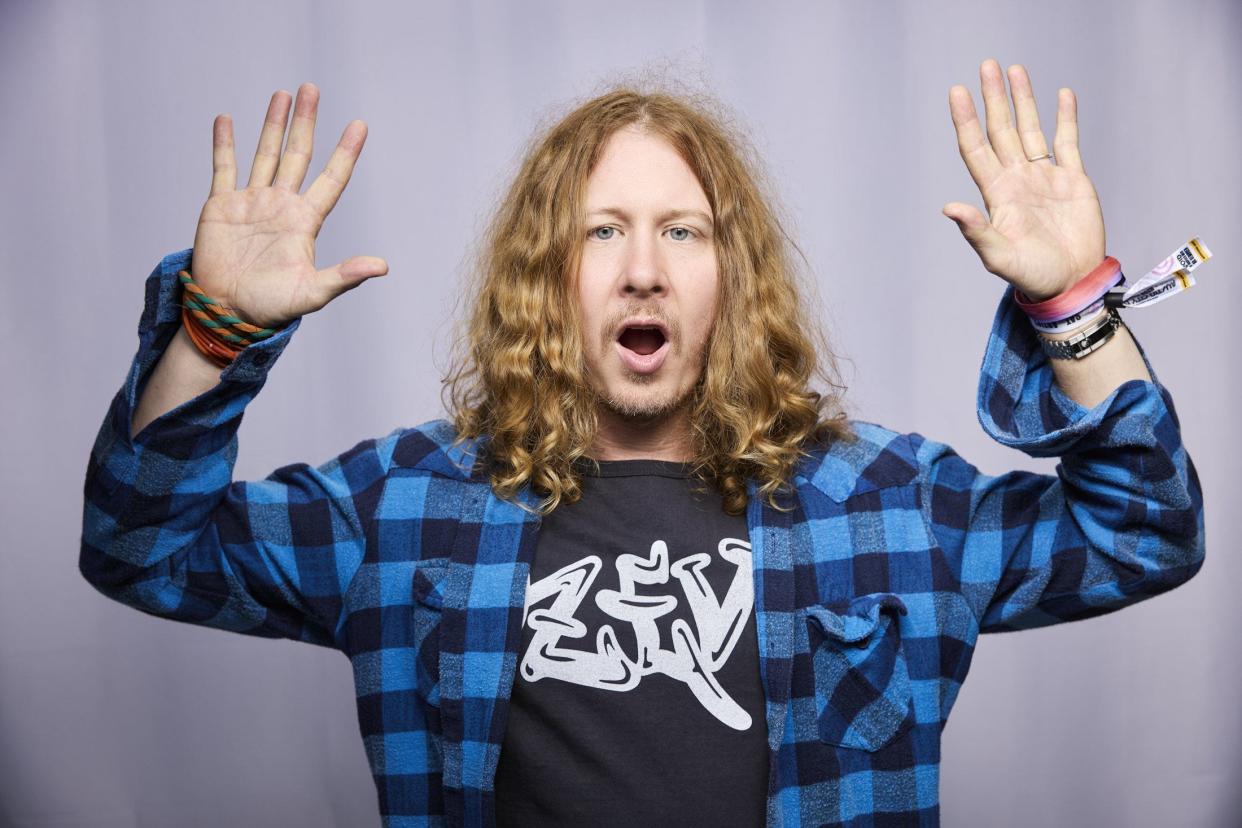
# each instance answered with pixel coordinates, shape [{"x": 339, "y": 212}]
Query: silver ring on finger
[{"x": 1042, "y": 157}]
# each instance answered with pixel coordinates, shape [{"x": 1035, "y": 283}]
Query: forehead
[{"x": 643, "y": 168}]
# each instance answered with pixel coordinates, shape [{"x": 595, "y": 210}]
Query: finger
[
  {"x": 331, "y": 282},
  {"x": 1065, "y": 143},
  {"x": 1032, "y": 136},
  {"x": 993, "y": 248},
  {"x": 223, "y": 161},
  {"x": 1001, "y": 132},
  {"x": 267, "y": 155},
  {"x": 981, "y": 162},
  {"x": 298, "y": 148},
  {"x": 325, "y": 190}
]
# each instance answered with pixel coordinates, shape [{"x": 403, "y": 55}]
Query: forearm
[
  {"x": 1120, "y": 521},
  {"x": 1090, "y": 380},
  {"x": 182, "y": 374}
]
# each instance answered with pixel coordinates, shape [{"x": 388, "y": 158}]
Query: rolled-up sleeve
[
  {"x": 167, "y": 531},
  {"x": 1120, "y": 521}
]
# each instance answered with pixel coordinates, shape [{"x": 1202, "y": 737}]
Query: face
[{"x": 647, "y": 284}]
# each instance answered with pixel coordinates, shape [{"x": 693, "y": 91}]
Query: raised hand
[
  {"x": 1045, "y": 229},
  {"x": 254, "y": 249}
]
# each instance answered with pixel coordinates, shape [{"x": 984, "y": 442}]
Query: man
[{"x": 648, "y": 575}]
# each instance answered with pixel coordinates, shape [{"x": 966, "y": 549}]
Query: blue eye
[{"x": 597, "y": 233}]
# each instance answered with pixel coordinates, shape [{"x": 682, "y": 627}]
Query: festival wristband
[
  {"x": 1086, "y": 315},
  {"x": 1085, "y": 292},
  {"x": 1170, "y": 277}
]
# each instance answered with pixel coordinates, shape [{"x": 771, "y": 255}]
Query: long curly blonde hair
[{"x": 519, "y": 380}]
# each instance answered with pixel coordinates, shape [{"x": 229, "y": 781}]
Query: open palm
[
  {"x": 1045, "y": 228},
  {"x": 254, "y": 249}
]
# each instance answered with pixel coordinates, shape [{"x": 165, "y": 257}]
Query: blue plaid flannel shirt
[{"x": 870, "y": 593}]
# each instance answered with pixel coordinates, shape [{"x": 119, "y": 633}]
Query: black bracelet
[{"x": 1081, "y": 344}]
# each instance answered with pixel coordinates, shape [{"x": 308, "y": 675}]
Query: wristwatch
[{"x": 1083, "y": 343}]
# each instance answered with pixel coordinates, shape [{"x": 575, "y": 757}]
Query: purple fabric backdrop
[{"x": 110, "y": 718}]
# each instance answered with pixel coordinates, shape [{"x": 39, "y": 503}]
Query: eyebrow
[{"x": 667, "y": 215}]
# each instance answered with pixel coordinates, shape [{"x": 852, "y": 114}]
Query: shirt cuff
[{"x": 1021, "y": 406}]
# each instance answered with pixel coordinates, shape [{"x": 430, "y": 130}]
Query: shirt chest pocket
[{"x": 862, "y": 685}]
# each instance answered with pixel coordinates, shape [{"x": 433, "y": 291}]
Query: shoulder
[
  {"x": 874, "y": 457},
  {"x": 434, "y": 447}
]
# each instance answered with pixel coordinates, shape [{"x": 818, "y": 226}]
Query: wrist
[
  {"x": 217, "y": 331},
  {"x": 189, "y": 354}
]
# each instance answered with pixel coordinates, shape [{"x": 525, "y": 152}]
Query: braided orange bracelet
[
  {"x": 217, "y": 331},
  {"x": 222, "y": 322},
  {"x": 218, "y": 352}
]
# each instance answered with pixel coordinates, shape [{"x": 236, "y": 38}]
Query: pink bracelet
[{"x": 1083, "y": 294}]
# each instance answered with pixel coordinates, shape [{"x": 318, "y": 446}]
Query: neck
[{"x": 630, "y": 438}]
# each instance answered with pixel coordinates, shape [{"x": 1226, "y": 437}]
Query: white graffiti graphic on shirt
[{"x": 697, "y": 653}]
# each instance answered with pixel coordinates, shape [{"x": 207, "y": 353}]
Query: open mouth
[
  {"x": 643, "y": 341},
  {"x": 643, "y": 346}
]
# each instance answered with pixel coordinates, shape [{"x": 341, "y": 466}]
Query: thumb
[
  {"x": 348, "y": 274},
  {"x": 979, "y": 232}
]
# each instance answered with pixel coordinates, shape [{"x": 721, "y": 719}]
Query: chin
[{"x": 644, "y": 403}]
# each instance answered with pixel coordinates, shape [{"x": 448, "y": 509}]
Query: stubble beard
[{"x": 640, "y": 408}]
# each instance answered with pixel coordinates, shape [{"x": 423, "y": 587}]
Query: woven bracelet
[
  {"x": 219, "y": 353},
  {"x": 220, "y": 321}
]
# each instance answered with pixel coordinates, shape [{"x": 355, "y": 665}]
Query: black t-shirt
[{"x": 637, "y": 699}]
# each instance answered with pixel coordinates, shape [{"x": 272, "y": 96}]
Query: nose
[{"x": 644, "y": 269}]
